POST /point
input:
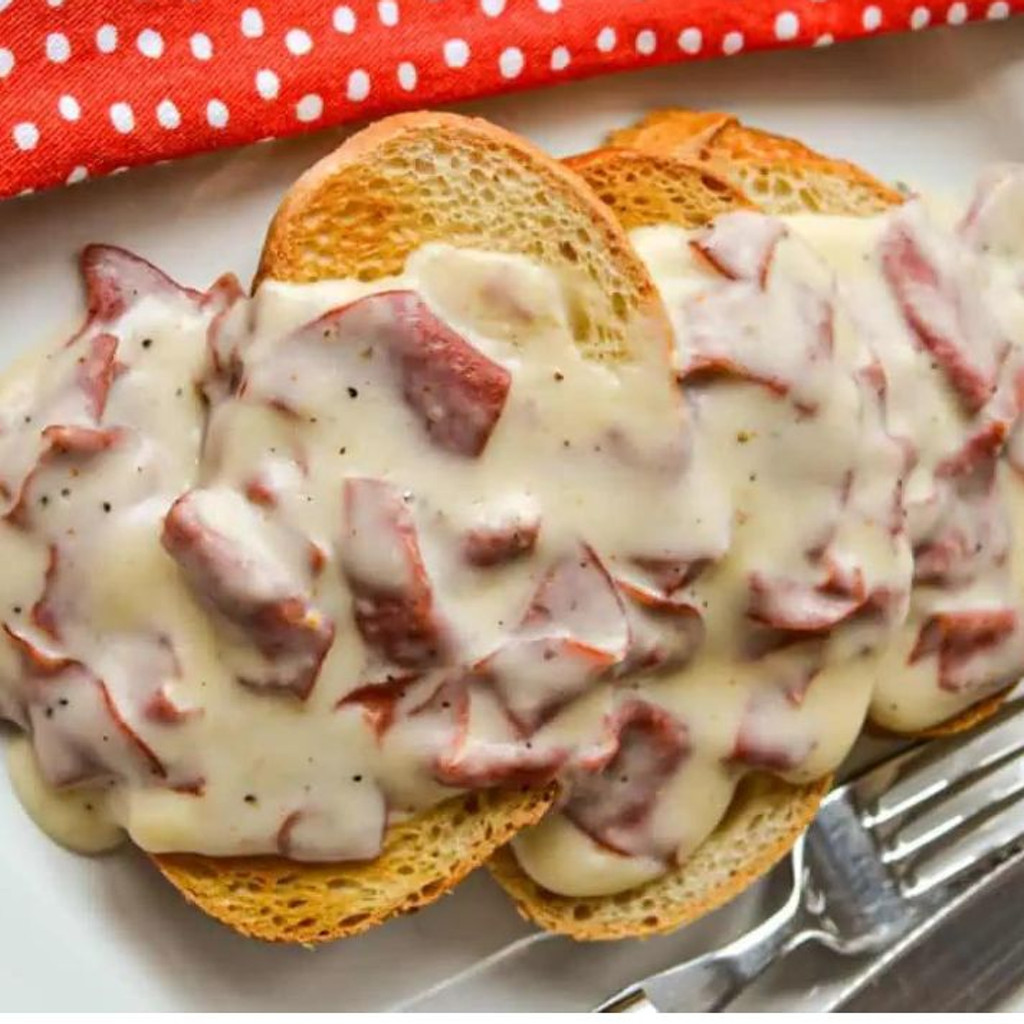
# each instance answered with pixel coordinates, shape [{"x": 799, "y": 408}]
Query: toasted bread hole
[
  {"x": 809, "y": 199},
  {"x": 430, "y": 888},
  {"x": 286, "y": 879},
  {"x": 619, "y": 305},
  {"x": 277, "y": 920},
  {"x": 294, "y": 904},
  {"x": 406, "y": 869},
  {"x": 352, "y": 920},
  {"x": 306, "y": 922},
  {"x": 568, "y": 250},
  {"x": 651, "y": 921},
  {"x": 581, "y": 912}
]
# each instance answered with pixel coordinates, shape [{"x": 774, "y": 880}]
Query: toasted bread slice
[
  {"x": 360, "y": 212},
  {"x": 767, "y": 814},
  {"x": 779, "y": 174}
]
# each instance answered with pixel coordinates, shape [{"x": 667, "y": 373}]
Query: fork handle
[{"x": 710, "y": 981}]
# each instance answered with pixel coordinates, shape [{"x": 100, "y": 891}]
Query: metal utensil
[
  {"x": 968, "y": 957},
  {"x": 885, "y": 852}
]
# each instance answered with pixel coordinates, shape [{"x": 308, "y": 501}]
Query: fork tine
[
  {"x": 970, "y": 845},
  {"x": 922, "y": 774},
  {"x": 950, "y": 812}
]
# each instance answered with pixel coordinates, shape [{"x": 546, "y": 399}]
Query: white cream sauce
[{"x": 352, "y": 580}]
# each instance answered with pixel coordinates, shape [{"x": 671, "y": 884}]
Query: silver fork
[{"x": 886, "y": 851}]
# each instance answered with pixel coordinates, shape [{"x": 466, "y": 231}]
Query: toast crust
[{"x": 360, "y": 212}]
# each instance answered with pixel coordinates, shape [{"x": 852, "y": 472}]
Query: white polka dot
[
  {"x": 68, "y": 108},
  {"x": 298, "y": 41},
  {"x": 344, "y": 20},
  {"x": 26, "y": 135},
  {"x": 122, "y": 117},
  {"x": 358, "y": 86},
  {"x": 511, "y": 62},
  {"x": 251, "y": 23},
  {"x": 201, "y": 46},
  {"x": 787, "y": 26},
  {"x": 456, "y": 53},
  {"x": 6, "y": 62},
  {"x": 26, "y": 192},
  {"x": 997, "y": 11},
  {"x": 646, "y": 42},
  {"x": 732, "y": 43},
  {"x": 550, "y": 6},
  {"x": 106, "y": 39},
  {"x": 387, "y": 11},
  {"x": 167, "y": 115},
  {"x": 58, "y": 49},
  {"x": 606, "y": 39},
  {"x": 919, "y": 17},
  {"x": 54, "y": 3},
  {"x": 560, "y": 58},
  {"x": 117, "y": 170},
  {"x": 957, "y": 14},
  {"x": 77, "y": 174},
  {"x": 309, "y": 108},
  {"x": 492, "y": 8},
  {"x": 267, "y": 83},
  {"x": 825, "y": 39},
  {"x": 407, "y": 76},
  {"x": 150, "y": 43},
  {"x": 871, "y": 19},
  {"x": 690, "y": 40},
  {"x": 216, "y": 114}
]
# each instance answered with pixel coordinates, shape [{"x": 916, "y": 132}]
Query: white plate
[{"x": 107, "y": 934}]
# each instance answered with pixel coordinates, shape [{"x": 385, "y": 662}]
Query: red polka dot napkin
[{"x": 88, "y": 87}]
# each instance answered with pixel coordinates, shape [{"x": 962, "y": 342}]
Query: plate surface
[{"x": 107, "y": 934}]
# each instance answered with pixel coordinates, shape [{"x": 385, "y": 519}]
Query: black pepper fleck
[
  {"x": 250, "y": 798},
  {"x": 107, "y": 506},
  {"x": 44, "y": 500},
  {"x": 65, "y": 492},
  {"x": 559, "y": 376},
  {"x": 341, "y": 451},
  {"x": 17, "y": 609},
  {"x": 146, "y": 342},
  {"x": 357, "y": 778},
  {"x": 353, "y": 393}
]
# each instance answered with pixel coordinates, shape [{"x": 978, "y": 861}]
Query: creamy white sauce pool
[{"x": 280, "y": 572}]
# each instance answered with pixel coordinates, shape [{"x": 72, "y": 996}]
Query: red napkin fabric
[{"x": 88, "y": 87}]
